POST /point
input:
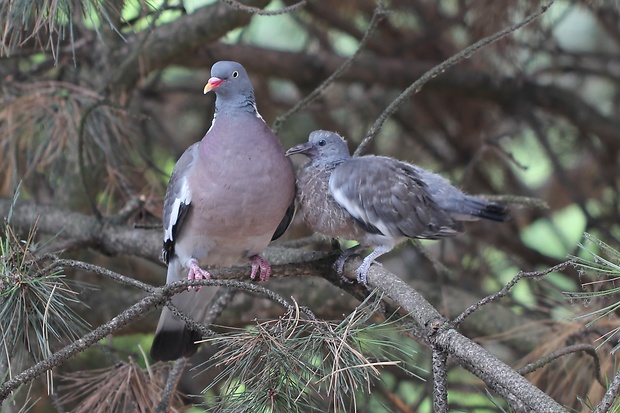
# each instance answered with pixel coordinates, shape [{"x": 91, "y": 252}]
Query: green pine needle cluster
[
  {"x": 602, "y": 270},
  {"x": 301, "y": 364},
  {"x": 35, "y": 304}
]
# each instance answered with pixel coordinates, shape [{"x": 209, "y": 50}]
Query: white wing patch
[
  {"x": 356, "y": 210},
  {"x": 185, "y": 197},
  {"x": 257, "y": 114}
]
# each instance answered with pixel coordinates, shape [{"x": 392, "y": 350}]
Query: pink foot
[
  {"x": 259, "y": 262},
  {"x": 197, "y": 273}
]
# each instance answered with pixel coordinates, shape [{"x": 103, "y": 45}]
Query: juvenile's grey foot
[{"x": 339, "y": 264}]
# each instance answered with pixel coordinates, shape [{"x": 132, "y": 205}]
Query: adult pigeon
[
  {"x": 378, "y": 201},
  {"x": 229, "y": 195}
]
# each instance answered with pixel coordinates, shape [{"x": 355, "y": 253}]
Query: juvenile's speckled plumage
[
  {"x": 378, "y": 201},
  {"x": 229, "y": 195}
]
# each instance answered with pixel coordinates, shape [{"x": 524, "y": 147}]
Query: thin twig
[
  {"x": 223, "y": 297},
  {"x": 610, "y": 395},
  {"x": 587, "y": 348},
  {"x": 100, "y": 271},
  {"x": 190, "y": 322},
  {"x": 379, "y": 13},
  {"x": 504, "y": 291},
  {"x": 157, "y": 297},
  {"x": 246, "y": 286},
  {"x": 171, "y": 384},
  {"x": 133, "y": 313},
  {"x": 219, "y": 304},
  {"x": 440, "y": 68},
  {"x": 440, "y": 380},
  {"x": 494, "y": 143},
  {"x": 233, "y": 285},
  {"x": 255, "y": 10}
]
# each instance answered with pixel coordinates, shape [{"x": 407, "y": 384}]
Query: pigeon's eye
[
  {"x": 235, "y": 74},
  {"x": 322, "y": 142}
]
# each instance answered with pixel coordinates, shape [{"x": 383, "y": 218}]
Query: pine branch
[
  {"x": 496, "y": 374},
  {"x": 169, "y": 41}
]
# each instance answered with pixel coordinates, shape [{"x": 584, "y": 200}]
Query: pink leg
[
  {"x": 197, "y": 273},
  {"x": 259, "y": 262}
]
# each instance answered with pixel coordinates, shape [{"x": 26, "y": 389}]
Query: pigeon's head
[
  {"x": 322, "y": 145},
  {"x": 229, "y": 79}
]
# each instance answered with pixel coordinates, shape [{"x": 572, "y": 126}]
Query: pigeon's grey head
[
  {"x": 230, "y": 81},
  {"x": 322, "y": 145}
]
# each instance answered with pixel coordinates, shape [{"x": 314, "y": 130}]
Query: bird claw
[
  {"x": 339, "y": 268},
  {"x": 196, "y": 273},
  {"x": 339, "y": 265},
  {"x": 361, "y": 275},
  {"x": 346, "y": 280},
  {"x": 261, "y": 267},
  {"x": 362, "y": 270},
  {"x": 341, "y": 261}
]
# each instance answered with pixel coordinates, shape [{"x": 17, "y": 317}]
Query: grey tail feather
[
  {"x": 487, "y": 210},
  {"x": 173, "y": 344}
]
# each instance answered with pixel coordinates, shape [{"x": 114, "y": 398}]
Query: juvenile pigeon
[
  {"x": 229, "y": 195},
  {"x": 378, "y": 201}
]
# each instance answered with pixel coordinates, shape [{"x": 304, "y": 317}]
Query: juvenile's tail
[
  {"x": 480, "y": 208},
  {"x": 461, "y": 206}
]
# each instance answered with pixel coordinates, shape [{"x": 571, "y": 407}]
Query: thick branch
[
  {"x": 473, "y": 357},
  {"x": 84, "y": 230},
  {"x": 166, "y": 43},
  {"x": 114, "y": 239},
  {"x": 499, "y": 376}
]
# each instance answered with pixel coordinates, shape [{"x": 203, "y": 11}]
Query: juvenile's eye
[
  {"x": 235, "y": 74},
  {"x": 322, "y": 142}
]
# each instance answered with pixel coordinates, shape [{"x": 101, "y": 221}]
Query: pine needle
[
  {"x": 58, "y": 131},
  {"x": 35, "y": 307},
  {"x": 124, "y": 387},
  {"x": 604, "y": 268},
  {"x": 47, "y": 24},
  {"x": 296, "y": 364}
]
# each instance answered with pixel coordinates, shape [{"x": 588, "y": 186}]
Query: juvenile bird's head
[{"x": 322, "y": 145}]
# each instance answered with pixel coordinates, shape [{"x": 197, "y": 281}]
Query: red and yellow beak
[{"x": 213, "y": 83}]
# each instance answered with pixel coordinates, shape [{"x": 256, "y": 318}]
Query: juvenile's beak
[
  {"x": 213, "y": 83},
  {"x": 301, "y": 148}
]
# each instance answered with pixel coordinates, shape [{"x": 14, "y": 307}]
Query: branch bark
[
  {"x": 167, "y": 43},
  {"x": 515, "y": 388},
  {"x": 84, "y": 230},
  {"x": 118, "y": 239},
  {"x": 112, "y": 239}
]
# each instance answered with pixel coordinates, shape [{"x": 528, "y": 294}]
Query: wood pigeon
[{"x": 229, "y": 195}]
